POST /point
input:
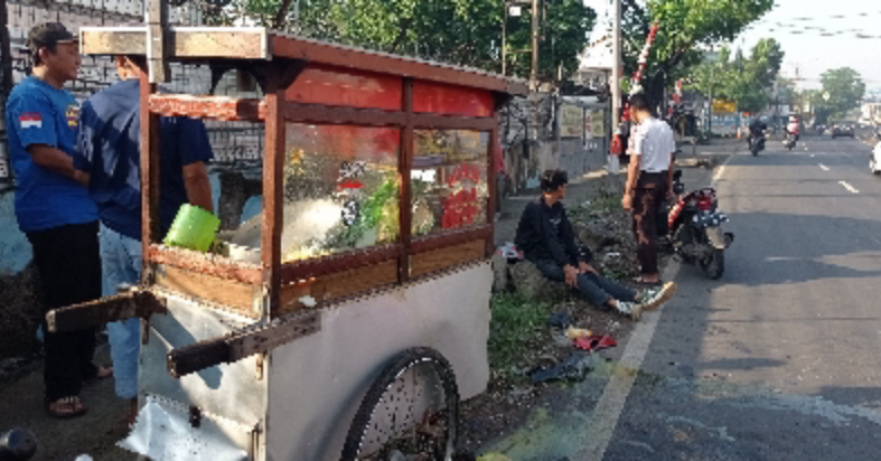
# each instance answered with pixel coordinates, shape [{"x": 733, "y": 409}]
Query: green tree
[
  {"x": 463, "y": 32},
  {"x": 685, "y": 25},
  {"x": 845, "y": 88},
  {"x": 746, "y": 80},
  {"x": 564, "y": 35}
]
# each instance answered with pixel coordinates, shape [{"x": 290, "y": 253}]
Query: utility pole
[
  {"x": 505, "y": 41},
  {"x": 712, "y": 85},
  {"x": 533, "y": 73},
  {"x": 615, "y": 84}
]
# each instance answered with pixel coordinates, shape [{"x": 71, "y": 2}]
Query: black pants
[
  {"x": 69, "y": 264},
  {"x": 650, "y": 192}
]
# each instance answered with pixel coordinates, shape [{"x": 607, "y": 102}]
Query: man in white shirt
[{"x": 649, "y": 182}]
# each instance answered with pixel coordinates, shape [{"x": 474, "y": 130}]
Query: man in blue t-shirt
[
  {"x": 109, "y": 152},
  {"x": 53, "y": 208}
]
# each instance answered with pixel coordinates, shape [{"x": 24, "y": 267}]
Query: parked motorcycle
[
  {"x": 756, "y": 142},
  {"x": 694, "y": 229}
]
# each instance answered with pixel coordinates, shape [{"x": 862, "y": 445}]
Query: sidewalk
[{"x": 588, "y": 187}]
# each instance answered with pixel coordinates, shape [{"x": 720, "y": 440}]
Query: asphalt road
[{"x": 781, "y": 359}]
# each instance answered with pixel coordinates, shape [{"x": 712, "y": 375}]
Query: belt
[{"x": 654, "y": 172}]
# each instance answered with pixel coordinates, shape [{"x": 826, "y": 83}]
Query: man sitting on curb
[{"x": 546, "y": 237}]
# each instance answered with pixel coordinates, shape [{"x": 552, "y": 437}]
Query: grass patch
[
  {"x": 604, "y": 200},
  {"x": 517, "y": 327}
]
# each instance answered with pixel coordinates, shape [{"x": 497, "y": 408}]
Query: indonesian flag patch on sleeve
[{"x": 30, "y": 120}]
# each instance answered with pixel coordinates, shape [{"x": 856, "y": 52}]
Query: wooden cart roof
[{"x": 259, "y": 43}]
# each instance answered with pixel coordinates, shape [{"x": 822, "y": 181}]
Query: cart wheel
[{"x": 412, "y": 409}]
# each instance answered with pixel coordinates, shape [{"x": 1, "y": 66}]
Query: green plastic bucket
[{"x": 193, "y": 228}]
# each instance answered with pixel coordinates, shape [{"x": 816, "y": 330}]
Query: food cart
[{"x": 349, "y": 317}]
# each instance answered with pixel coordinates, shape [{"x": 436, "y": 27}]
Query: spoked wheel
[{"x": 412, "y": 409}]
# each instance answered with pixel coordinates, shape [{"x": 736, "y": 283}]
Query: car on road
[{"x": 842, "y": 129}]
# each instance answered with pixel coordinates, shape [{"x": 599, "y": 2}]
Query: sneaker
[
  {"x": 655, "y": 297},
  {"x": 632, "y": 309}
]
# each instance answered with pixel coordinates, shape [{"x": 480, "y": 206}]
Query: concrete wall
[{"x": 532, "y": 142}]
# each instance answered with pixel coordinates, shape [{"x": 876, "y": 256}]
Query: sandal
[{"x": 66, "y": 407}]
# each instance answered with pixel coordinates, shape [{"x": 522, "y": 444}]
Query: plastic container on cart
[{"x": 193, "y": 228}]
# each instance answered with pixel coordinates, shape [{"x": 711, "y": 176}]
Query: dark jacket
[{"x": 537, "y": 239}]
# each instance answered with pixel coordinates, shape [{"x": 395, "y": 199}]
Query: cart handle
[
  {"x": 243, "y": 343},
  {"x": 136, "y": 303}
]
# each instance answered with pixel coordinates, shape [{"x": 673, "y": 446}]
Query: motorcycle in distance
[
  {"x": 756, "y": 141},
  {"x": 789, "y": 142},
  {"x": 693, "y": 228}
]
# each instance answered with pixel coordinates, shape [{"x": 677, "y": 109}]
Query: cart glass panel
[
  {"x": 235, "y": 173},
  {"x": 340, "y": 189},
  {"x": 449, "y": 180}
]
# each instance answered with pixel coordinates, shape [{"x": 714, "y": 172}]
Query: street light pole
[
  {"x": 533, "y": 73},
  {"x": 712, "y": 84},
  {"x": 505, "y": 41},
  {"x": 615, "y": 84}
]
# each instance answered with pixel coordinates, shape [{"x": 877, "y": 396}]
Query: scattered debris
[
  {"x": 572, "y": 368},
  {"x": 574, "y": 333},
  {"x": 510, "y": 252},
  {"x": 561, "y": 320},
  {"x": 594, "y": 343}
]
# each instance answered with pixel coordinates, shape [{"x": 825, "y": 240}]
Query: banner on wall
[
  {"x": 571, "y": 121},
  {"x": 595, "y": 124}
]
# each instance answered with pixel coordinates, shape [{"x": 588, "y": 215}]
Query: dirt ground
[
  {"x": 95, "y": 433},
  {"x": 505, "y": 405}
]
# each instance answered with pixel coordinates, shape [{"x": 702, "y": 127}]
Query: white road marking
[
  {"x": 719, "y": 172},
  {"x": 824, "y": 167},
  {"x": 851, "y": 189},
  {"x": 604, "y": 418}
]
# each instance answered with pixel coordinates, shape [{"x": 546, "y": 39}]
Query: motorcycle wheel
[{"x": 714, "y": 265}]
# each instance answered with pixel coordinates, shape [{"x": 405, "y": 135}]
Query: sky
[{"x": 809, "y": 53}]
